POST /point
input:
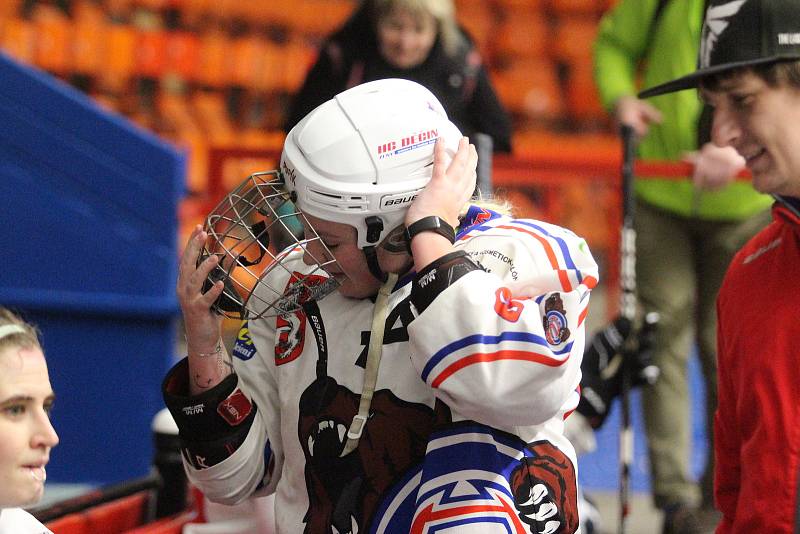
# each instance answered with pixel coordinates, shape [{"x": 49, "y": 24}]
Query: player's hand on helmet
[
  {"x": 636, "y": 113},
  {"x": 202, "y": 324},
  {"x": 715, "y": 166},
  {"x": 451, "y": 186}
]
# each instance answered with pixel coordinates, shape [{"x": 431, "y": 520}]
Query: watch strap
[{"x": 431, "y": 223}]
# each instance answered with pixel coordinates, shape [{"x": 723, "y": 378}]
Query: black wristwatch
[{"x": 432, "y": 223}]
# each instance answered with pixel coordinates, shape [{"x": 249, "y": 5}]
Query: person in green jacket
[{"x": 687, "y": 230}]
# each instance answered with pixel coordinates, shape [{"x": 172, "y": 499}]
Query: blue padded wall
[{"x": 88, "y": 232}]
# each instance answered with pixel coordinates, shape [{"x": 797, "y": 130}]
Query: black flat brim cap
[{"x": 738, "y": 34}]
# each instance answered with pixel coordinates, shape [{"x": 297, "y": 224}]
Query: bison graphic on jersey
[
  {"x": 344, "y": 493},
  {"x": 545, "y": 491}
]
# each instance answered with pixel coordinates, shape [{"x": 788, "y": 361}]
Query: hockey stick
[
  {"x": 484, "y": 145},
  {"x": 628, "y": 310}
]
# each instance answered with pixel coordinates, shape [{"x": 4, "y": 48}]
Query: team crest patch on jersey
[
  {"x": 291, "y": 327},
  {"x": 244, "y": 348},
  {"x": 291, "y": 332},
  {"x": 475, "y": 479},
  {"x": 556, "y": 329}
]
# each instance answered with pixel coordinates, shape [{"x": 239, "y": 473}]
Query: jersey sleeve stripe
[
  {"x": 590, "y": 282},
  {"x": 537, "y": 231},
  {"x": 583, "y": 315},
  {"x": 578, "y": 395},
  {"x": 562, "y": 244},
  {"x": 471, "y": 232},
  {"x": 544, "y": 238},
  {"x": 483, "y": 357},
  {"x": 563, "y": 276},
  {"x": 476, "y": 339}
]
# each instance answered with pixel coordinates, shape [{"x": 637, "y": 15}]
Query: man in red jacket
[{"x": 750, "y": 73}]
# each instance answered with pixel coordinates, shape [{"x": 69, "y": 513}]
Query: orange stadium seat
[
  {"x": 18, "y": 39},
  {"x": 154, "y": 5},
  {"x": 254, "y": 13},
  {"x": 151, "y": 56},
  {"x": 118, "y": 516},
  {"x": 530, "y": 4},
  {"x": 522, "y": 32},
  {"x": 211, "y": 113},
  {"x": 571, "y": 7},
  {"x": 53, "y": 39},
  {"x": 276, "y": 13},
  {"x": 125, "y": 515},
  {"x": 247, "y": 58},
  {"x": 573, "y": 38},
  {"x": 209, "y": 8},
  {"x": 115, "y": 517},
  {"x": 169, "y": 525},
  {"x": 317, "y": 18},
  {"x": 10, "y": 8},
  {"x": 589, "y": 223},
  {"x": 272, "y": 62},
  {"x": 298, "y": 57},
  {"x": 479, "y": 19},
  {"x": 583, "y": 102},
  {"x": 261, "y": 138},
  {"x": 118, "y": 10},
  {"x": 196, "y": 8},
  {"x": 177, "y": 113},
  {"x": 214, "y": 59},
  {"x": 183, "y": 54},
  {"x": 88, "y": 39},
  {"x": 119, "y": 57},
  {"x": 530, "y": 89},
  {"x": 71, "y": 524}
]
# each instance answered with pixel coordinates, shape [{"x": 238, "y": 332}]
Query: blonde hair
[
  {"x": 443, "y": 11},
  {"x": 493, "y": 203},
  {"x": 18, "y": 333}
]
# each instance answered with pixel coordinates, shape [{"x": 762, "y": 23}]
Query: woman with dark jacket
[{"x": 417, "y": 40}]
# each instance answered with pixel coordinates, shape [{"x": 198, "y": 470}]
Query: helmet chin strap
[
  {"x": 374, "y": 229},
  {"x": 379, "y": 313},
  {"x": 372, "y": 262}
]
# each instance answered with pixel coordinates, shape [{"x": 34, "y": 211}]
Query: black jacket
[{"x": 350, "y": 57}]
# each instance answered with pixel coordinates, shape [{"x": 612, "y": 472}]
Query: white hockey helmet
[
  {"x": 359, "y": 159},
  {"x": 362, "y": 157}
]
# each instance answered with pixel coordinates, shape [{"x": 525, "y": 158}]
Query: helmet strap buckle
[{"x": 374, "y": 228}]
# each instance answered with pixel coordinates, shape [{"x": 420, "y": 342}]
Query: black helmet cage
[{"x": 251, "y": 233}]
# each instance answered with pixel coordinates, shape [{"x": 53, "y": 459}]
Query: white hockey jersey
[
  {"x": 465, "y": 429},
  {"x": 18, "y": 521}
]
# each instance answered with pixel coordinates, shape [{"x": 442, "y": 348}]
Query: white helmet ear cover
[{"x": 365, "y": 155}]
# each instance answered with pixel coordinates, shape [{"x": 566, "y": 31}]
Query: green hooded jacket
[{"x": 625, "y": 42}]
